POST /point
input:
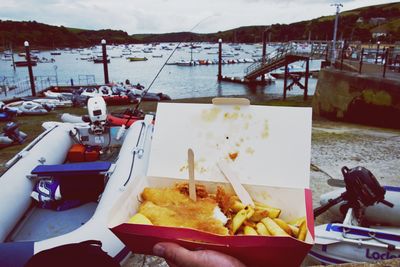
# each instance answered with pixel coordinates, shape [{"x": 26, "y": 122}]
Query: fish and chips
[{"x": 220, "y": 213}]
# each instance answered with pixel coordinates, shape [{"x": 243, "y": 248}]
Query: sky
[{"x": 163, "y": 16}]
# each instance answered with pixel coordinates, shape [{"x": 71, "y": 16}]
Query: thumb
[{"x": 182, "y": 257}]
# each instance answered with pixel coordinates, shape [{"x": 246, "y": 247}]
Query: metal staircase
[{"x": 286, "y": 54}]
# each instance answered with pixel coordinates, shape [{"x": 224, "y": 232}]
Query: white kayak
[{"x": 27, "y": 229}]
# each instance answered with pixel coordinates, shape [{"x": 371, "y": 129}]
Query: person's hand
[{"x": 178, "y": 256}]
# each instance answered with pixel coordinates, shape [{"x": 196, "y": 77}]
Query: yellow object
[
  {"x": 250, "y": 212},
  {"x": 139, "y": 218},
  {"x": 259, "y": 215},
  {"x": 262, "y": 230},
  {"x": 272, "y": 212},
  {"x": 282, "y": 224},
  {"x": 237, "y": 206},
  {"x": 295, "y": 230},
  {"x": 273, "y": 227},
  {"x": 297, "y": 222},
  {"x": 302, "y": 231},
  {"x": 248, "y": 230},
  {"x": 238, "y": 220}
]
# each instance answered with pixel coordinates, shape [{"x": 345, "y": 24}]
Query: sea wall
[{"x": 364, "y": 99}]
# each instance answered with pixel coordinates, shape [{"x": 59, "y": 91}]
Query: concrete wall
[{"x": 364, "y": 99}]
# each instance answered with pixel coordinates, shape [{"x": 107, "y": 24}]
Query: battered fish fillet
[{"x": 169, "y": 207}]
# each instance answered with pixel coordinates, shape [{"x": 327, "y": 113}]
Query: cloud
[{"x": 158, "y": 16}]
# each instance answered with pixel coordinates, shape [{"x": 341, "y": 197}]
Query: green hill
[{"x": 355, "y": 25}]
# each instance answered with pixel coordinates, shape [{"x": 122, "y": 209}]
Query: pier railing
[
  {"x": 274, "y": 59},
  {"x": 12, "y": 87},
  {"x": 369, "y": 60}
]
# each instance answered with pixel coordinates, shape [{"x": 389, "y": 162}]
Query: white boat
[
  {"x": 26, "y": 229},
  {"x": 183, "y": 62},
  {"x": 103, "y": 90},
  {"x": 31, "y": 108},
  {"x": 11, "y": 135},
  {"x": 56, "y": 95},
  {"x": 344, "y": 242},
  {"x": 370, "y": 230},
  {"x": 58, "y": 103}
]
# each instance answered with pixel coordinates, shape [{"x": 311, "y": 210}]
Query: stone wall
[{"x": 364, "y": 99}]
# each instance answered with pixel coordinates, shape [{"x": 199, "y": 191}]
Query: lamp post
[
  {"x": 105, "y": 66},
  {"x": 333, "y": 56},
  {"x": 28, "y": 59},
  {"x": 264, "y": 51},
  {"x": 219, "y": 59},
  {"x": 55, "y": 69},
  {"x": 377, "y": 52}
]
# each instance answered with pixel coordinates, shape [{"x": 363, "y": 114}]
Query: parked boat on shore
[
  {"x": 30, "y": 226},
  {"x": 370, "y": 230},
  {"x": 31, "y": 107},
  {"x": 11, "y": 135}
]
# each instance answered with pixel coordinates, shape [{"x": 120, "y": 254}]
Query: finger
[
  {"x": 175, "y": 254},
  {"x": 179, "y": 256},
  {"x": 216, "y": 259}
]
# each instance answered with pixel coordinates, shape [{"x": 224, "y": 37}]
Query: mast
[{"x": 337, "y": 5}]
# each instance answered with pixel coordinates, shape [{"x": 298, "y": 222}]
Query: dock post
[
  {"x": 105, "y": 66},
  {"x": 28, "y": 59},
  {"x": 219, "y": 59},
  {"x": 377, "y": 52},
  {"x": 285, "y": 80},
  {"x": 264, "y": 52},
  {"x": 386, "y": 59},
  {"x": 306, "y": 79},
  {"x": 361, "y": 61},
  {"x": 341, "y": 59}
]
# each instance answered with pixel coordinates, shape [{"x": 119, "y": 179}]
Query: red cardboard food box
[{"x": 273, "y": 146}]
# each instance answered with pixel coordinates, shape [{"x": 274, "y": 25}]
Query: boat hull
[
  {"x": 356, "y": 245},
  {"x": 128, "y": 166}
]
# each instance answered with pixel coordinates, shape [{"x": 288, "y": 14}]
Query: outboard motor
[
  {"x": 79, "y": 100},
  {"x": 362, "y": 190},
  {"x": 11, "y": 131},
  {"x": 48, "y": 107},
  {"x": 97, "y": 114},
  {"x": 8, "y": 113}
]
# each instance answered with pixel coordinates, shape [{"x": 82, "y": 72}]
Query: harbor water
[{"x": 72, "y": 66}]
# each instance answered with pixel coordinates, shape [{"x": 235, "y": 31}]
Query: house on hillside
[
  {"x": 379, "y": 31},
  {"x": 377, "y": 21}
]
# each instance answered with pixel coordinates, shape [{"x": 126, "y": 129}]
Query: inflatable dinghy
[
  {"x": 370, "y": 230},
  {"x": 29, "y": 226}
]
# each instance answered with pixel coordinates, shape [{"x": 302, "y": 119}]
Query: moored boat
[
  {"x": 133, "y": 59},
  {"x": 25, "y": 63}
]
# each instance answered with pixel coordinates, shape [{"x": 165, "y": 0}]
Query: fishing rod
[
  {"x": 135, "y": 110},
  {"x": 125, "y": 126},
  {"x": 165, "y": 63}
]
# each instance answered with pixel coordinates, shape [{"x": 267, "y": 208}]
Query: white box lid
[{"x": 273, "y": 144}]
